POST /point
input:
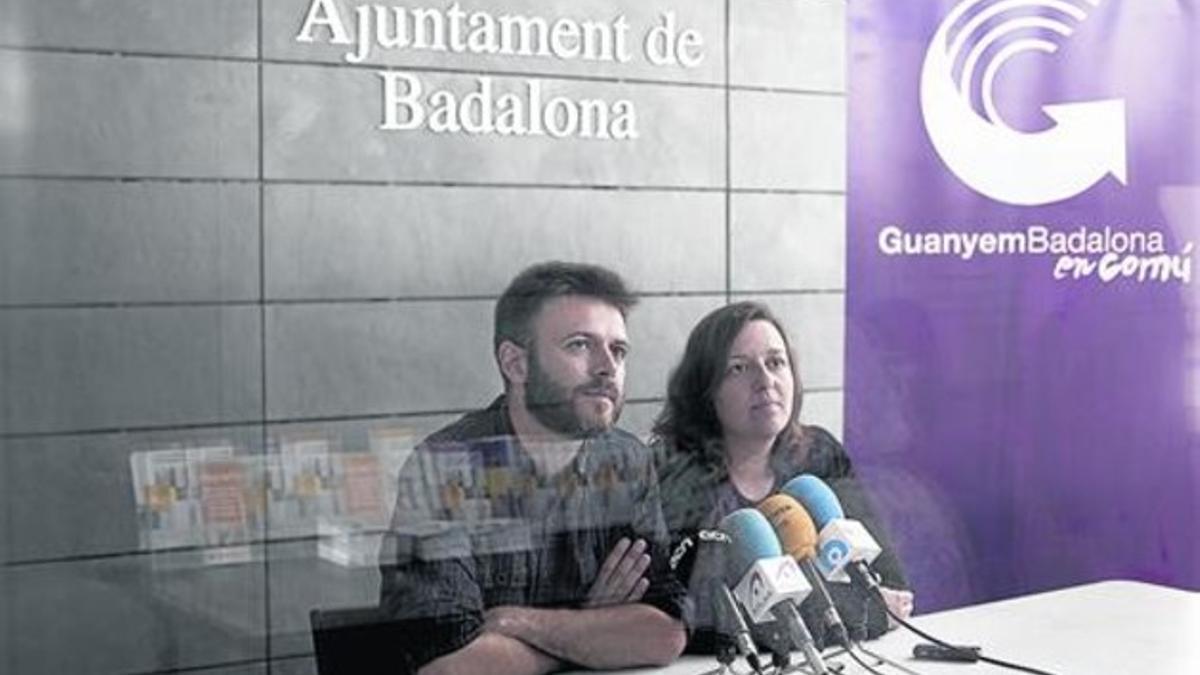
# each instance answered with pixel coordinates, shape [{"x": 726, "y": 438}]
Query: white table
[{"x": 1117, "y": 627}]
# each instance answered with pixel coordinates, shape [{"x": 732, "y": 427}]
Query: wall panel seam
[
  {"x": 602, "y": 187},
  {"x": 367, "y": 300},
  {"x": 286, "y": 421},
  {"x": 478, "y": 72}
]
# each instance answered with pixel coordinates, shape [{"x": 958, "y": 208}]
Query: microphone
[
  {"x": 798, "y": 538},
  {"x": 770, "y": 585},
  {"x": 683, "y": 559},
  {"x": 729, "y": 621},
  {"x": 702, "y": 559},
  {"x": 846, "y": 548}
]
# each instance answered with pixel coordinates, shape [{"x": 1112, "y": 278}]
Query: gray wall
[{"x": 203, "y": 238}]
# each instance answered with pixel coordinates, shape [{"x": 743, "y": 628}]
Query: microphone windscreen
[
  {"x": 795, "y": 528},
  {"x": 752, "y": 537},
  {"x": 705, "y": 575},
  {"x": 817, "y": 497}
]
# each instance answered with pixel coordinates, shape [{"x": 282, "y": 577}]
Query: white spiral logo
[
  {"x": 1005, "y": 164},
  {"x": 833, "y": 555},
  {"x": 758, "y": 591}
]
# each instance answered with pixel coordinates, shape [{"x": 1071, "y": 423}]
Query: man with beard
[{"x": 553, "y": 552}]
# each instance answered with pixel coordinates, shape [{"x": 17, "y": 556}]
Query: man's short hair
[{"x": 536, "y": 285}]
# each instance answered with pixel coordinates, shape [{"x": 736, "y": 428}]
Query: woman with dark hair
[{"x": 730, "y": 436}]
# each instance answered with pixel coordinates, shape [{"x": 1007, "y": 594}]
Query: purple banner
[{"x": 1023, "y": 340}]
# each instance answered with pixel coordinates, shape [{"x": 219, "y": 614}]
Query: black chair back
[{"x": 358, "y": 641}]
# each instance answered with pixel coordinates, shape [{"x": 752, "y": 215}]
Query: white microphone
[
  {"x": 845, "y": 548},
  {"x": 843, "y": 541},
  {"x": 770, "y": 585},
  {"x": 769, "y": 582}
]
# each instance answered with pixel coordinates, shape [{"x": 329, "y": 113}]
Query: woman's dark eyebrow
[{"x": 770, "y": 352}]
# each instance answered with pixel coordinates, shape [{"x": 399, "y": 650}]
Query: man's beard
[{"x": 554, "y": 405}]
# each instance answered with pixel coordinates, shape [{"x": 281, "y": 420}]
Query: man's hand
[
  {"x": 620, "y": 579},
  {"x": 493, "y": 652},
  {"x": 603, "y": 638},
  {"x": 503, "y": 620},
  {"x": 900, "y": 602}
]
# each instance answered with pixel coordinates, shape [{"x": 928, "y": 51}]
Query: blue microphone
[
  {"x": 752, "y": 537},
  {"x": 769, "y": 584},
  {"x": 817, "y": 497},
  {"x": 845, "y": 547}
]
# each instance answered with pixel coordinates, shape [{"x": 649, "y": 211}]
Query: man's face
[{"x": 576, "y": 377}]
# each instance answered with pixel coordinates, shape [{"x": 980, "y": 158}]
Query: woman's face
[{"x": 755, "y": 395}]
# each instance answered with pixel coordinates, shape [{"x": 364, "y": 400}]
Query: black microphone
[
  {"x": 769, "y": 585},
  {"x": 704, "y": 558}
]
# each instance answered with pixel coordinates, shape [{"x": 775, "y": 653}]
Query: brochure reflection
[{"x": 217, "y": 503}]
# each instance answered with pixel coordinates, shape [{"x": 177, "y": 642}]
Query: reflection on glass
[{"x": 215, "y": 500}]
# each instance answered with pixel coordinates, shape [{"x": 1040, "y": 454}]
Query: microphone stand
[{"x": 867, "y": 581}]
